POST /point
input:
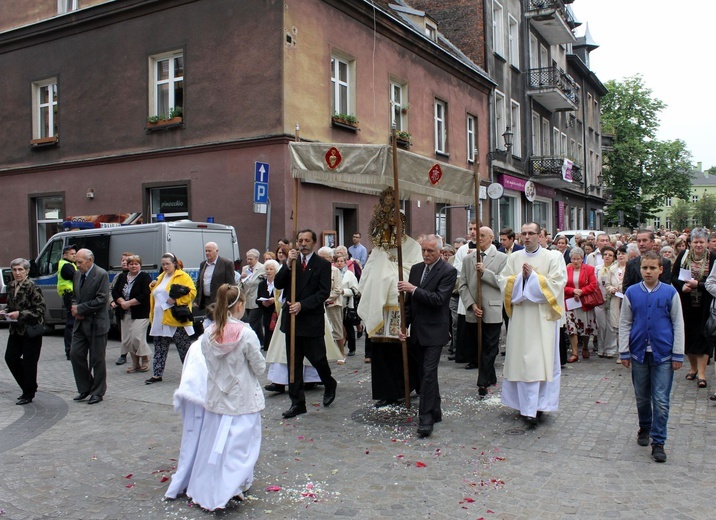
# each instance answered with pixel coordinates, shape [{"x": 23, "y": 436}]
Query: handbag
[
  {"x": 350, "y": 316},
  {"x": 182, "y": 313},
  {"x": 710, "y": 325},
  {"x": 33, "y": 331},
  {"x": 592, "y": 300}
]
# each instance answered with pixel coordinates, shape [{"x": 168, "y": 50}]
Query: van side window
[{"x": 47, "y": 262}]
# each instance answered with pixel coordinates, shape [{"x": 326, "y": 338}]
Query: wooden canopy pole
[
  {"x": 478, "y": 253},
  {"x": 292, "y": 333},
  {"x": 399, "y": 246}
]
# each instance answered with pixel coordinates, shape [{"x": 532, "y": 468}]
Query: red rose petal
[
  {"x": 164, "y": 479},
  {"x": 273, "y": 488},
  {"x": 420, "y": 464},
  {"x": 130, "y": 475}
]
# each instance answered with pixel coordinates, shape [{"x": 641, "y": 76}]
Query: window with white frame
[
  {"x": 166, "y": 97},
  {"x": 694, "y": 198},
  {"x": 534, "y": 52},
  {"x": 471, "y": 140},
  {"x": 516, "y": 128},
  {"x": 498, "y": 29},
  {"x": 580, "y": 154},
  {"x": 564, "y": 145},
  {"x": 667, "y": 202},
  {"x": 398, "y": 105},
  {"x": 501, "y": 121},
  {"x": 513, "y": 40},
  {"x": 667, "y": 222},
  {"x": 590, "y": 165},
  {"x": 66, "y": 6},
  {"x": 545, "y": 137},
  {"x": 45, "y": 122},
  {"x": 657, "y": 222},
  {"x": 556, "y": 142},
  {"x": 440, "y": 126},
  {"x": 341, "y": 82},
  {"x": 431, "y": 31},
  {"x": 590, "y": 111},
  {"x": 572, "y": 149},
  {"x": 536, "y": 134}
]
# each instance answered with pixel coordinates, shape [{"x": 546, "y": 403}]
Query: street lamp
[{"x": 502, "y": 154}]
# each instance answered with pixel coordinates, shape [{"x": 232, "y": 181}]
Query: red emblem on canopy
[
  {"x": 333, "y": 158},
  {"x": 435, "y": 174}
]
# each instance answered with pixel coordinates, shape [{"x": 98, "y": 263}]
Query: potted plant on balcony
[
  {"x": 174, "y": 119},
  {"x": 403, "y": 139},
  {"x": 347, "y": 121}
]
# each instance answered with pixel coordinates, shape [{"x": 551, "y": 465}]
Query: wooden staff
[
  {"x": 478, "y": 256},
  {"x": 292, "y": 333},
  {"x": 399, "y": 245}
]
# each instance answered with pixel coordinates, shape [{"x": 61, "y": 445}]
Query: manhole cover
[{"x": 515, "y": 431}]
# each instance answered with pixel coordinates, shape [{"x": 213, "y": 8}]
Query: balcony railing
[
  {"x": 552, "y": 19},
  {"x": 554, "y": 88},
  {"x": 548, "y": 170}
]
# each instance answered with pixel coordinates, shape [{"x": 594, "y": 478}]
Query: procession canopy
[{"x": 368, "y": 168}]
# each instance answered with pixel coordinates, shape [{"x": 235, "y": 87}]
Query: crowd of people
[{"x": 642, "y": 299}]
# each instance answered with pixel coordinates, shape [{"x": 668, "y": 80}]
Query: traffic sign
[
  {"x": 261, "y": 172},
  {"x": 260, "y": 192}
]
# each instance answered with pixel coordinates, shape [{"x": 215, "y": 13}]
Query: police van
[{"x": 184, "y": 239}]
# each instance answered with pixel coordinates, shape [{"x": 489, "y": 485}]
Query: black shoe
[
  {"x": 481, "y": 391},
  {"x": 153, "y": 380},
  {"x": 359, "y": 334},
  {"x": 531, "y": 421},
  {"x": 94, "y": 399},
  {"x": 81, "y": 397},
  {"x": 503, "y": 353},
  {"x": 470, "y": 366},
  {"x": 309, "y": 386},
  {"x": 121, "y": 360},
  {"x": 351, "y": 353},
  {"x": 657, "y": 452},
  {"x": 273, "y": 387},
  {"x": 68, "y": 357},
  {"x": 24, "y": 400},
  {"x": 451, "y": 358},
  {"x": 383, "y": 403},
  {"x": 425, "y": 430},
  {"x": 329, "y": 395},
  {"x": 294, "y": 411},
  {"x": 642, "y": 438},
  {"x": 540, "y": 414},
  {"x": 712, "y": 398}
]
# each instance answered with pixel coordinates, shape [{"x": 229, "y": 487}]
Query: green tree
[
  {"x": 680, "y": 215},
  {"x": 705, "y": 210},
  {"x": 639, "y": 168}
]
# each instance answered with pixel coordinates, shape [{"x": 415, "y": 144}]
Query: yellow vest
[{"x": 63, "y": 285}]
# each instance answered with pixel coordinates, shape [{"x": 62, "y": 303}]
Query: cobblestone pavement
[{"x": 62, "y": 459}]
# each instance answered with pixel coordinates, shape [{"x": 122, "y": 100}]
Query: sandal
[
  {"x": 573, "y": 359},
  {"x": 132, "y": 369},
  {"x": 691, "y": 376},
  {"x": 585, "y": 354},
  {"x": 144, "y": 368},
  {"x": 702, "y": 383},
  {"x": 712, "y": 398}
]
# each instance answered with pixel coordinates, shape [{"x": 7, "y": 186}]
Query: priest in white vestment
[{"x": 532, "y": 284}]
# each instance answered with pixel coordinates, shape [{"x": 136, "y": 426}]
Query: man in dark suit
[
  {"x": 90, "y": 308},
  {"x": 507, "y": 241},
  {"x": 313, "y": 286},
  {"x": 632, "y": 273},
  {"x": 214, "y": 272},
  {"x": 427, "y": 311}
]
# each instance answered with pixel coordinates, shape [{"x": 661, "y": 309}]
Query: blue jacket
[{"x": 652, "y": 323}]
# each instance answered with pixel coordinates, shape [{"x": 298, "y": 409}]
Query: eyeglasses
[{"x": 528, "y": 233}]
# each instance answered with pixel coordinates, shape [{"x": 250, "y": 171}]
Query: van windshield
[{"x": 50, "y": 257}]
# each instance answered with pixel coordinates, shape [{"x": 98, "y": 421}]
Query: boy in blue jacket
[{"x": 651, "y": 341}]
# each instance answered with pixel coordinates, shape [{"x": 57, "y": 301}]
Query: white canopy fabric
[{"x": 368, "y": 168}]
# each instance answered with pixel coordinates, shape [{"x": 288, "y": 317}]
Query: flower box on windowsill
[
  {"x": 402, "y": 141},
  {"x": 165, "y": 124},
  {"x": 338, "y": 122},
  {"x": 44, "y": 141}
]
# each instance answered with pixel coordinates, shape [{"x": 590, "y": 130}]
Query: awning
[{"x": 368, "y": 168}]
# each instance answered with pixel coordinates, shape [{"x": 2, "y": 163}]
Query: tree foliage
[
  {"x": 640, "y": 168},
  {"x": 680, "y": 215},
  {"x": 705, "y": 210}
]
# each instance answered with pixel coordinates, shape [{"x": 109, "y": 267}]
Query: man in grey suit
[
  {"x": 427, "y": 311},
  {"x": 90, "y": 308},
  {"x": 489, "y": 264},
  {"x": 214, "y": 272}
]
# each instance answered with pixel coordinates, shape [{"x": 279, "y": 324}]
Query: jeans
[{"x": 652, "y": 387}]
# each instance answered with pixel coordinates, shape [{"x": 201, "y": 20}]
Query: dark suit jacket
[
  {"x": 140, "y": 291},
  {"x": 313, "y": 287},
  {"x": 92, "y": 300},
  {"x": 223, "y": 273},
  {"x": 632, "y": 273},
  {"x": 515, "y": 247},
  {"x": 705, "y": 309},
  {"x": 427, "y": 309}
]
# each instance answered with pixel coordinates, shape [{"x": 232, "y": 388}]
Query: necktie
[
  {"x": 82, "y": 279},
  {"x": 425, "y": 275},
  {"x": 303, "y": 263}
]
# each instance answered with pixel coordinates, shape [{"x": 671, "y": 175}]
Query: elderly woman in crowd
[
  {"x": 615, "y": 289},
  {"x": 632, "y": 251},
  {"x": 668, "y": 253},
  {"x": 606, "y": 331},
  {"x": 172, "y": 294},
  {"x": 267, "y": 302},
  {"x": 581, "y": 281},
  {"x": 688, "y": 276},
  {"x": 131, "y": 295},
  {"x": 350, "y": 291},
  {"x": 26, "y": 312},
  {"x": 334, "y": 303}
]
